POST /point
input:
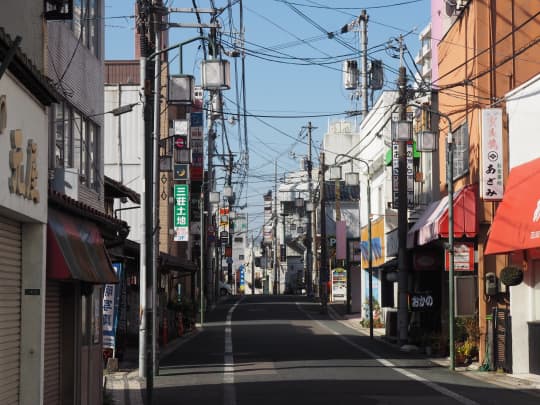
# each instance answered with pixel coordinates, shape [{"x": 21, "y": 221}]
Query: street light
[
  {"x": 354, "y": 179},
  {"x": 430, "y": 145}
]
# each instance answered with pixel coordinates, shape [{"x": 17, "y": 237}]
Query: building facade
[{"x": 25, "y": 95}]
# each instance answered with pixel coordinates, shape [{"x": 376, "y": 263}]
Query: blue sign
[
  {"x": 111, "y": 298},
  {"x": 241, "y": 268},
  {"x": 196, "y": 119}
]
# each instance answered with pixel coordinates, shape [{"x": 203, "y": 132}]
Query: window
[
  {"x": 76, "y": 143},
  {"x": 77, "y": 139},
  {"x": 84, "y": 152},
  {"x": 240, "y": 257},
  {"x": 461, "y": 150},
  {"x": 85, "y": 23},
  {"x": 59, "y": 127}
]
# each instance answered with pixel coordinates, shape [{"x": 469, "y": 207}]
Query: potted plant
[
  {"x": 511, "y": 275},
  {"x": 465, "y": 352}
]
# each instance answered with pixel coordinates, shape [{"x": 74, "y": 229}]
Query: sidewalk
[
  {"x": 510, "y": 381},
  {"x": 125, "y": 387}
]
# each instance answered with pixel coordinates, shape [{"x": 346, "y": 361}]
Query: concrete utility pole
[
  {"x": 403, "y": 261},
  {"x": 363, "y": 47},
  {"x": 155, "y": 180},
  {"x": 147, "y": 249},
  {"x": 309, "y": 234},
  {"x": 275, "y": 229},
  {"x": 252, "y": 265},
  {"x": 324, "y": 273},
  {"x": 145, "y": 209},
  {"x": 202, "y": 254}
]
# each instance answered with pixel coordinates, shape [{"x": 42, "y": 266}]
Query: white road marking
[
  {"x": 460, "y": 398},
  {"x": 229, "y": 397}
]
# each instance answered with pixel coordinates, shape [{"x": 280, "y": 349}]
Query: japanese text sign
[{"x": 492, "y": 155}]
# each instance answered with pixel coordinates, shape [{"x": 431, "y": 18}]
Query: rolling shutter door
[
  {"x": 51, "y": 389},
  {"x": 10, "y": 309}
]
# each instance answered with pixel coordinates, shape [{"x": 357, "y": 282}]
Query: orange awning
[{"x": 517, "y": 221}]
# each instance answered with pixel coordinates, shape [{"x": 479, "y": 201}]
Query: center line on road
[
  {"x": 229, "y": 397},
  {"x": 460, "y": 398}
]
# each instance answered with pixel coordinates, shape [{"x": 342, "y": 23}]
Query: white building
[{"x": 523, "y": 120}]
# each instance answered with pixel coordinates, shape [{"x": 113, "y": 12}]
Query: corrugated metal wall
[
  {"x": 53, "y": 352},
  {"x": 10, "y": 310}
]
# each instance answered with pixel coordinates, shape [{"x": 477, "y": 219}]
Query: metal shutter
[
  {"x": 53, "y": 354},
  {"x": 10, "y": 309}
]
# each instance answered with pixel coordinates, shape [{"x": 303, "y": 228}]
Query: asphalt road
[{"x": 267, "y": 350}]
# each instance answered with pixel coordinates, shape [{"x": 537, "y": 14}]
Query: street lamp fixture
[
  {"x": 354, "y": 179},
  {"x": 181, "y": 89},
  {"x": 214, "y": 197},
  {"x": 427, "y": 141},
  {"x": 216, "y": 74},
  {"x": 402, "y": 131},
  {"x": 227, "y": 191},
  {"x": 335, "y": 173}
]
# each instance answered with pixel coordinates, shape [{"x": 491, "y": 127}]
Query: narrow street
[{"x": 282, "y": 350}]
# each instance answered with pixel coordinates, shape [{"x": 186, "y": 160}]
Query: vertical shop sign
[
  {"x": 181, "y": 213},
  {"x": 111, "y": 298},
  {"x": 492, "y": 155}
]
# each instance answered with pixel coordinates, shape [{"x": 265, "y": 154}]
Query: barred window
[
  {"x": 76, "y": 143},
  {"x": 85, "y": 23}
]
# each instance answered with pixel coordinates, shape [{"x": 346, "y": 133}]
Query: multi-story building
[
  {"x": 473, "y": 74},
  {"x": 25, "y": 94},
  {"x": 60, "y": 228}
]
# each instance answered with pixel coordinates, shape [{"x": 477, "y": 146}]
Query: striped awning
[{"x": 75, "y": 250}]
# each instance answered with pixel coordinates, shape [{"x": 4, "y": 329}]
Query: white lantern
[
  {"x": 352, "y": 179},
  {"x": 216, "y": 74},
  {"x": 181, "y": 89},
  {"x": 335, "y": 173},
  {"x": 427, "y": 141}
]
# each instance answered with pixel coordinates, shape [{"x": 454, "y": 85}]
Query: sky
[{"x": 293, "y": 72}]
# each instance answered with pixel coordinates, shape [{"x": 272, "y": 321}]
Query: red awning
[
  {"x": 75, "y": 250},
  {"x": 433, "y": 223},
  {"x": 517, "y": 221}
]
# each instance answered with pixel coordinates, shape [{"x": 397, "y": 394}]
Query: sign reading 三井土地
[
  {"x": 181, "y": 213},
  {"x": 491, "y": 173}
]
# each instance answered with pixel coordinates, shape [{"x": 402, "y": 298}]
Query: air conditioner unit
[{"x": 66, "y": 181}]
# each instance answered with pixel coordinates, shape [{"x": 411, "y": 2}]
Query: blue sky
[{"x": 290, "y": 33}]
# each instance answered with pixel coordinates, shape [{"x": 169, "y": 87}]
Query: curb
[
  {"x": 509, "y": 381},
  {"x": 126, "y": 387}
]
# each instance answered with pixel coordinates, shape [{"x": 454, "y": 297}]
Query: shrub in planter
[{"x": 511, "y": 275}]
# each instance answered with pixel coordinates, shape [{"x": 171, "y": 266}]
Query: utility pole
[
  {"x": 252, "y": 265},
  {"x": 275, "y": 228},
  {"x": 324, "y": 273},
  {"x": 148, "y": 259},
  {"x": 403, "y": 262},
  {"x": 202, "y": 253},
  {"x": 363, "y": 47},
  {"x": 155, "y": 179},
  {"x": 309, "y": 234},
  {"x": 142, "y": 8}
]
